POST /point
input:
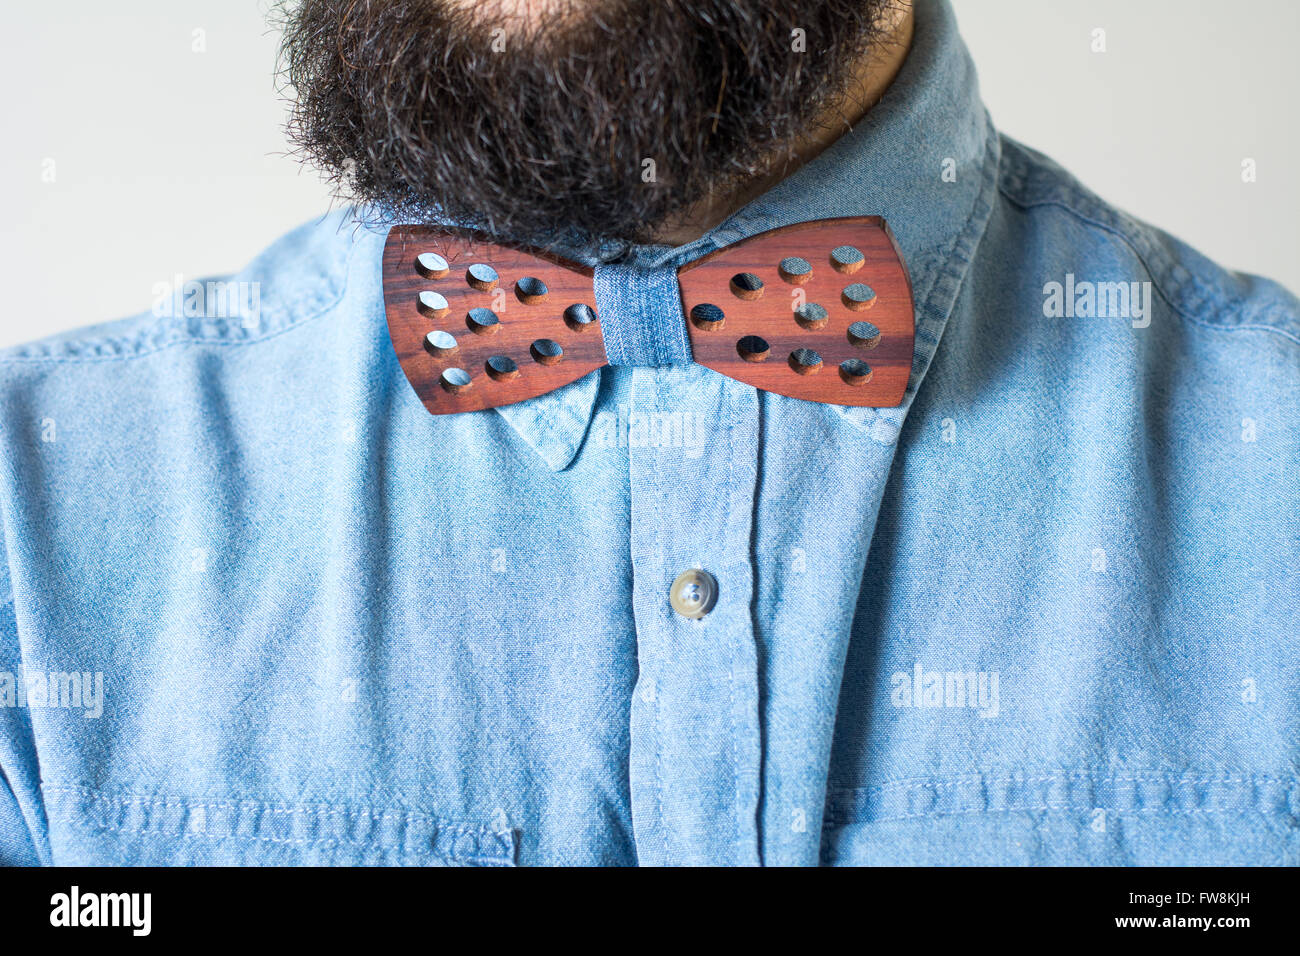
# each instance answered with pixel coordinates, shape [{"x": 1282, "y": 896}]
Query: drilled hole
[
  {"x": 746, "y": 285},
  {"x": 847, "y": 259},
  {"x": 440, "y": 343},
  {"x": 482, "y": 321},
  {"x": 530, "y": 290},
  {"x": 580, "y": 317},
  {"x": 858, "y": 297},
  {"x": 855, "y": 372},
  {"x": 431, "y": 265},
  {"x": 795, "y": 270},
  {"x": 482, "y": 277},
  {"x": 811, "y": 316},
  {"x": 433, "y": 304},
  {"x": 455, "y": 380},
  {"x": 864, "y": 335},
  {"x": 546, "y": 351},
  {"x": 753, "y": 348},
  {"x": 707, "y": 317},
  {"x": 805, "y": 361},
  {"x": 501, "y": 368}
]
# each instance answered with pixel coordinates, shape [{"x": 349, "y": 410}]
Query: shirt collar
[{"x": 924, "y": 157}]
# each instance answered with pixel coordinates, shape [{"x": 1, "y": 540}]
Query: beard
[{"x": 592, "y": 124}]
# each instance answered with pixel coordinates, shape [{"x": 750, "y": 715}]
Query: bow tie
[{"x": 820, "y": 311}]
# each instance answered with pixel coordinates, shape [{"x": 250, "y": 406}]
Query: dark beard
[{"x": 597, "y": 128}]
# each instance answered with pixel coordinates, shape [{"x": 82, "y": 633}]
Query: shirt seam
[
  {"x": 1015, "y": 177},
  {"x": 260, "y": 806},
  {"x": 188, "y": 340},
  {"x": 965, "y": 239},
  {"x": 860, "y": 813},
  {"x": 323, "y": 843}
]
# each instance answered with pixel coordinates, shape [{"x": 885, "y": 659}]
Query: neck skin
[{"x": 868, "y": 84}]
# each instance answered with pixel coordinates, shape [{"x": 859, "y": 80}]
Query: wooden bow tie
[{"x": 820, "y": 311}]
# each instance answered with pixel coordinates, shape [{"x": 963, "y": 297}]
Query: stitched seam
[
  {"x": 193, "y": 341},
  {"x": 860, "y": 810},
  {"x": 836, "y": 823},
  {"x": 315, "y": 812},
  {"x": 662, "y": 635},
  {"x": 610, "y": 332},
  {"x": 1015, "y": 179},
  {"x": 672, "y": 291},
  {"x": 650, "y": 342},
  {"x": 731, "y": 681},
  {"x": 918, "y": 783},
  {"x": 989, "y": 176},
  {"x": 249, "y": 803},
  {"x": 636, "y": 341},
  {"x": 322, "y": 842}
]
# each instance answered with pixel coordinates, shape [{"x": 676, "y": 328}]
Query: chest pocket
[{"x": 95, "y": 828}]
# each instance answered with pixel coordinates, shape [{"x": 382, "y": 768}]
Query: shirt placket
[
  {"x": 692, "y": 441},
  {"x": 695, "y": 737}
]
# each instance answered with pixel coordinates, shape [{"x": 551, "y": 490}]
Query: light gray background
[{"x": 168, "y": 161}]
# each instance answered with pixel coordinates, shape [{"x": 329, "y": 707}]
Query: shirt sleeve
[{"x": 16, "y": 845}]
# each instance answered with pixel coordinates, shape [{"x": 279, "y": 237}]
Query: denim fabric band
[{"x": 641, "y": 315}]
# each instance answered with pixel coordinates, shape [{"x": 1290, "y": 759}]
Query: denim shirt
[{"x": 259, "y": 607}]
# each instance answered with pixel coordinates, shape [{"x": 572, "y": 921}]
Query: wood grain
[
  {"x": 521, "y": 322},
  {"x": 722, "y": 280},
  {"x": 771, "y": 316}
]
